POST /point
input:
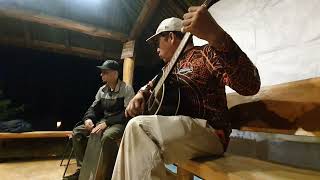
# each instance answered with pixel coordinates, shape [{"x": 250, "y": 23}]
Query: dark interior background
[{"x": 55, "y": 87}]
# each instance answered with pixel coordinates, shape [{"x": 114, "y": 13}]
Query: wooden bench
[
  {"x": 232, "y": 167},
  {"x": 36, "y": 144},
  {"x": 283, "y": 110},
  {"x": 36, "y": 134}
]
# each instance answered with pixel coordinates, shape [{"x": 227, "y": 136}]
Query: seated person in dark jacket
[
  {"x": 12, "y": 115},
  {"x": 105, "y": 116}
]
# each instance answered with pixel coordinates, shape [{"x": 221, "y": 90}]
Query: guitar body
[
  {"x": 164, "y": 103},
  {"x": 178, "y": 96}
]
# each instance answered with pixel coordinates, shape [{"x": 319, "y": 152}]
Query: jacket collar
[{"x": 108, "y": 89}]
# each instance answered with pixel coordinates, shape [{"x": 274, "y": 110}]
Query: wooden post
[
  {"x": 128, "y": 70},
  {"x": 128, "y": 63}
]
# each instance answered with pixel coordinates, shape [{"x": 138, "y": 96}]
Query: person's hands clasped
[
  {"x": 99, "y": 128},
  {"x": 88, "y": 124},
  {"x": 199, "y": 22},
  {"x": 135, "y": 106}
]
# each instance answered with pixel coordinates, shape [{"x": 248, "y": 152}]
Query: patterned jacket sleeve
[{"x": 233, "y": 67}]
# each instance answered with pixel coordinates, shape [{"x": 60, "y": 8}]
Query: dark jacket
[{"x": 109, "y": 105}]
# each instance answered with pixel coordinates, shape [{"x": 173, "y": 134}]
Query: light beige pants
[{"x": 150, "y": 141}]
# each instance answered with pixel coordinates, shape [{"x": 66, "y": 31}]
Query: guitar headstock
[{"x": 208, "y": 3}]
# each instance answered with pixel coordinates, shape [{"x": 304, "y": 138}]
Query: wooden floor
[
  {"x": 41, "y": 170},
  {"x": 34, "y": 170}
]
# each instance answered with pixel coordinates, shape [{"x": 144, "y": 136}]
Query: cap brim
[
  {"x": 104, "y": 68},
  {"x": 150, "y": 39}
]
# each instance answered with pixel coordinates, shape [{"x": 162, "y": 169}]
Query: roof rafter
[
  {"x": 147, "y": 11},
  {"x": 59, "y": 48},
  {"x": 58, "y": 22}
]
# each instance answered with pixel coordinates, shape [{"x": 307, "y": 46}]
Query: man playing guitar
[{"x": 198, "y": 126}]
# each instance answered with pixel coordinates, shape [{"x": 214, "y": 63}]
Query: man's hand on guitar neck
[
  {"x": 199, "y": 22},
  {"x": 135, "y": 106}
]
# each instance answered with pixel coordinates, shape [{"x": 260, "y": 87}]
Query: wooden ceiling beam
[
  {"x": 62, "y": 23},
  {"x": 130, "y": 11},
  {"x": 147, "y": 11},
  {"x": 27, "y": 33},
  {"x": 58, "y": 48}
]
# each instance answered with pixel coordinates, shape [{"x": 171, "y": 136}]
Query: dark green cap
[{"x": 109, "y": 65}]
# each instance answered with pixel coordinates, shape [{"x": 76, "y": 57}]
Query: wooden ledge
[
  {"x": 36, "y": 134},
  {"x": 232, "y": 167}
]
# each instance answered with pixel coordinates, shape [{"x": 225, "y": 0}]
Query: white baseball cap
[{"x": 169, "y": 24}]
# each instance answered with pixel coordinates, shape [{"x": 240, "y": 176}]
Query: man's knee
[
  {"x": 134, "y": 122},
  {"x": 113, "y": 133},
  {"x": 107, "y": 138},
  {"x": 109, "y": 142},
  {"x": 79, "y": 133},
  {"x": 78, "y": 138},
  {"x": 80, "y": 130}
]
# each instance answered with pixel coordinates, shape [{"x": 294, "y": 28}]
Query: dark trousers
[{"x": 108, "y": 141}]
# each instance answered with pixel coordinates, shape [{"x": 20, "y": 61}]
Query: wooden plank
[
  {"x": 58, "y": 22},
  {"x": 27, "y": 33},
  {"x": 203, "y": 171},
  {"x": 278, "y": 148},
  {"x": 67, "y": 39},
  {"x": 32, "y": 147},
  {"x": 289, "y": 108},
  {"x": 130, "y": 11},
  {"x": 268, "y": 130},
  {"x": 35, "y": 134},
  {"x": 233, "y": 167},
  {"x": 59, "y": 48},
  {"x": 295, "y": 91},
  {"x": 128, "y": 49},
  {"x": 146, "y": 13},
  {"x": 297, "y": 132},
  {"x": 183, "y": 174}
]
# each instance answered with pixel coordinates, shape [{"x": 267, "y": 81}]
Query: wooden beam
[
  {"x": 27, "y": 33},
  {"x": 67, "y": 39},
  {"x": 59, "y": 48},
  {"x": 176, "y": 8},
  {"x": 145, "y": 14},
  {"x": 36, "y": 134},
  {"x": 58, "y": 22},
  {"x": 130, "y": 10}
]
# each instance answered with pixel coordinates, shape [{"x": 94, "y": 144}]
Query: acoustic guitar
[{"x": 166, "y": 97}]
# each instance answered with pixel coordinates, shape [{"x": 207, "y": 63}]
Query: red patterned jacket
[{"x": 207, "y": 70}]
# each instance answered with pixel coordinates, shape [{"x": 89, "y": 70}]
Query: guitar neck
[{"x": 168, "y": 69}]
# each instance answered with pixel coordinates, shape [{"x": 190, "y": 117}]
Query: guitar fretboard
[{"x": 167, "y": 70}]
